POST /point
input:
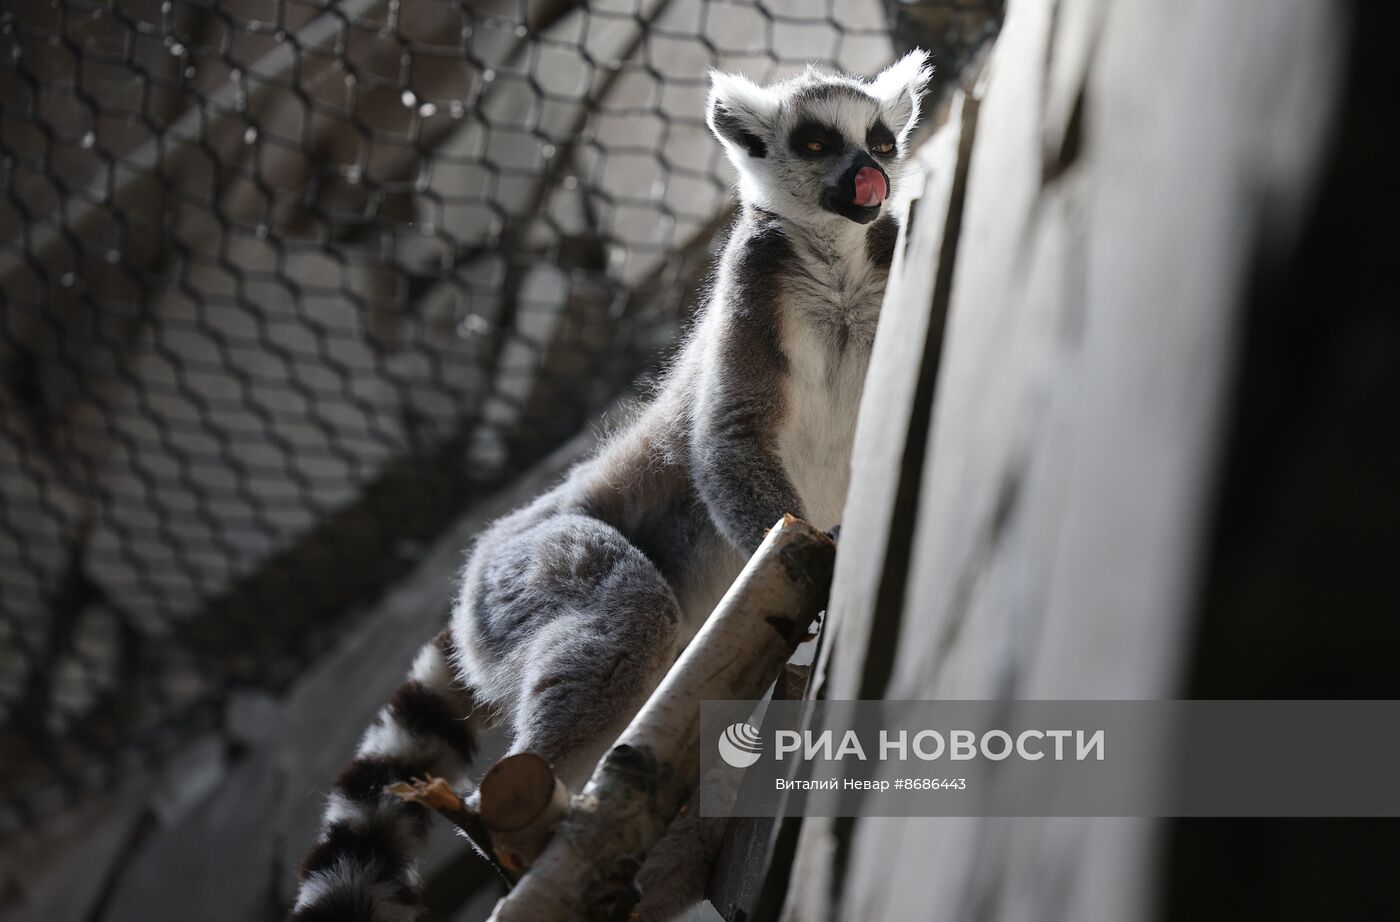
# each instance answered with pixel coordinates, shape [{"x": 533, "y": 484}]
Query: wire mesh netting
[{"x": 285, "y": 285}]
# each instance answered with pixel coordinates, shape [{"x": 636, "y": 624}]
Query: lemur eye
[
  {"x": 886, "y": 148},
  {"x": 815, "y": 147}
]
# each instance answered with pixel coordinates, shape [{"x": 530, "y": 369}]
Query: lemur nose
[{"x": 870, "y": 187}]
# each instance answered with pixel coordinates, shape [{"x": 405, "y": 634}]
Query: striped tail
[{"x": 363, "y": 867}]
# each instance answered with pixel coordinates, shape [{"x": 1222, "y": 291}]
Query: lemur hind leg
[
  {"x": 588, "y": 624},
  {"x": 676, "y": 870}
]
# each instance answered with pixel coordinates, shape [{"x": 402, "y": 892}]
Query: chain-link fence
[{"x": 285, "y": 284}]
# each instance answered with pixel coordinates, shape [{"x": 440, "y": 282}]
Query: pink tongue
[{"x": 870, "y": 187}]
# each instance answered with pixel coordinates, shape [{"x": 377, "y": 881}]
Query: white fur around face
[{"x": 784, "y": 184}]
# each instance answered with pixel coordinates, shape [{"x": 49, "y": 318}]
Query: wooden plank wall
[{"x": 1029, "y": 521}]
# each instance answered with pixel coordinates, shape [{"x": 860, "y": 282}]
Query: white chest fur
[{"x": 829, "y": 327}]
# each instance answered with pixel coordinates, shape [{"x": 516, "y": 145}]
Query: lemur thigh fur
[{"x": 571, "y": 609}]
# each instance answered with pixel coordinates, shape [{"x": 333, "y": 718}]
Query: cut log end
[
  {"x": 521, "y": 801},
  {"x": 515, "y": 791}
]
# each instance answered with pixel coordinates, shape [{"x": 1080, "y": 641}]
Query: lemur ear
[
  {"x": 899, "y": 88},
  {"x": 739, "y": 113}
]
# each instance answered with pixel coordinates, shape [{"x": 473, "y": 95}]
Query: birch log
[{"x": 587, "y": 870}]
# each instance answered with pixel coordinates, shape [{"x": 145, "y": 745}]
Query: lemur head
[{"x": 819, "y": 147}]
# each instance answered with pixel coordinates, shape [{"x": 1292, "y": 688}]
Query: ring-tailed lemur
[{"x": 572, "y": 608}]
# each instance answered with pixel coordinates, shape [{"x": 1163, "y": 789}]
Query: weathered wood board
[{"x": 1129, "y": 158}]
